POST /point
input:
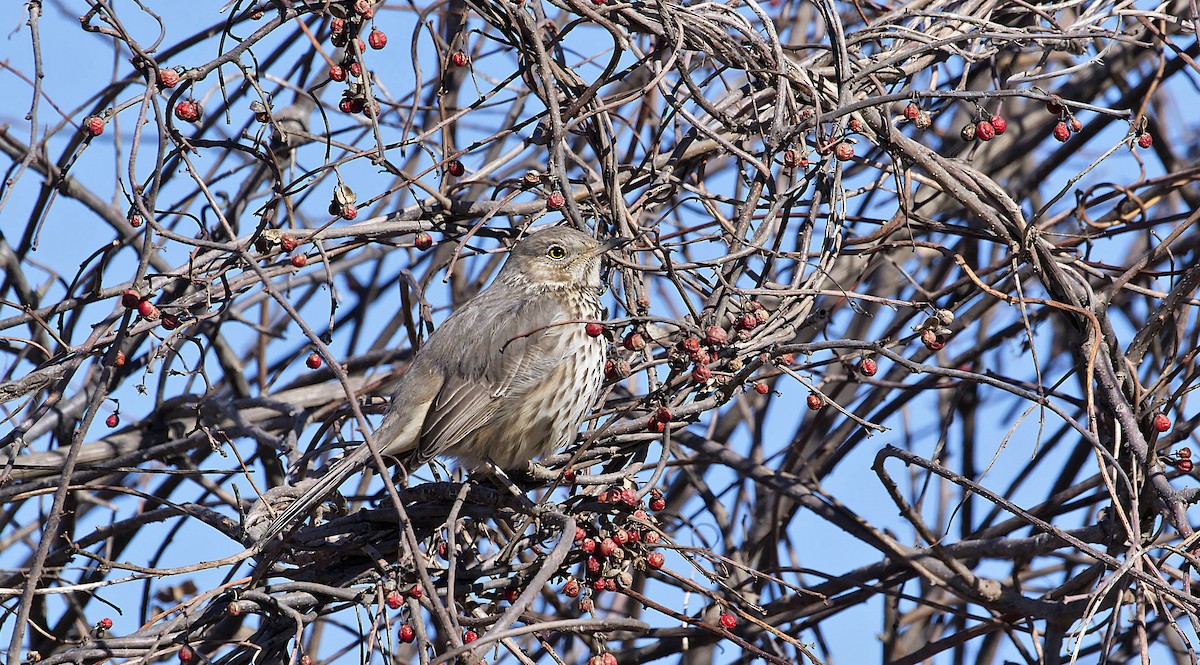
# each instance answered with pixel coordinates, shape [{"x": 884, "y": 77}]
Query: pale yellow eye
[{"x": 556, "y": 252}]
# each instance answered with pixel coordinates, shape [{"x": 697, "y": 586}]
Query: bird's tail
[{"x": 323, "y": 487}]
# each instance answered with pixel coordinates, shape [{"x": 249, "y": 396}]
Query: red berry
[
  {"x": 1062, "y": 132},
  {"x": 868, "y": 367},
  {"x": 469, "y": 637},
  {"x": 511, "y": 594},
  {"x": 104, "y": 624},
  {"x": 130, "y": 299},
  {"x": 655, "y": 560},
  {"x": 1184, "y": 465},
  {"x": 406, "y": 634},
  {"x": 170, "y": 322},
  {"x": 571, "y": 588},
  {"x": 337, "y": 25},
  {"x": 608, "y": 546},
  {"x": 762, "y": 388},
  {"x": 999, "y": 124},
  {"x": 634, "y": 342},
  {"x": 747, "y": 322},
  {"x": 361, "y": 45},
  {"x": 135, "y": 221},
  {"x": 791, "y": 158},
  {"x": 629, "y": 497},
  {"x": 459, "y": 59},
  {"x": 1145, "y": 140},
  {"x": 167, "y": 78},
  {"x": 1076, "y": 126},
  {"x": 112, "y": 421},
  {"x": 580, "y": 533},
  {"x": 416, "y": 592},
  {"x": 288, "y": 243},
  {"x": 815, "y": 401},
  {"x": 588, "y": 545},
  {"x": 844, "y": 151},
  {"x": 984, "y": 131},
  {"x": 656, "y": 504},
  {"x": 188, "y": 110},
  {"x": 314, "y": 360},
  {"x": 608, "y": 659},
  {"x": 1053, "y": 107},
  {"x": 652, "y": 537},
  {"x": 593, "y": 329},
  {"x": 1185, "y": 453},
  {"x": 1161, "y": 422},
  {"x": 855, "y": 125},
  {"x": 94, "y": 125},
  {"x": 356, "y": 71},
  {"x": 348, "y": 212},
  {"x": 455, "y": 168},
  {"x": 663, "y": 415},
  {"x": 728, "y": 621},
  {"x": 556, "y": 200},
  {"x": 701, "y": 374},
  {"x": 377, "y": 39},
  {"x": 786, "y": 359},
  {"x": 911, "y": 111},
  {"x": 394, "y": 600},
  {"x": 186, "y": 654},
  {"x": 337, "y": 72},
  {"x": 423, "y": 241},
  {"x": 621, "y": 536},
  {"x": 119, "y": 361},
  {"x": 656, "y": 427},
  {"x": 716, "y": 336},
  {"x": 148, "y": 310},
  {"x": 300, "y": 260}
]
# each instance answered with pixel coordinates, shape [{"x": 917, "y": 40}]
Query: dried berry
[
  {"x": 1145, "y": 140},
  {"x": 912, "y": 111},
  {"x": 337, "y": 72},
  {"x": 170, "y": 322},
  {"x": 394, "y": 600},
  {"x": 377, "y": 39},
  {"x": 999, "y": 124},
  {"x": 130, "y": 299},
  {"x": 555, "y": 200},
  {"x": 868, "y": 367},
  {"x": 571, "y": 588},
  {"x": 967, "y": 133},
  {"x": 844, "y": 151},
  {"x": 634, "y": 342},
  {"x": 655, "y": 560},
  {"x": 716, "y": 336},
  {"x": 348, "y": 212},
  {"x": 1184, "y": 465},
  {"x": 701, "y": 374},
  {"x": 167, "y": 78},
  {"x": 148, "y": 311},
  {"x": 188, "y": 110},
  {"x": 1061, "y": 131},
  {"x": 984, "y": 131},
  {"x": 924, "y": 120}
]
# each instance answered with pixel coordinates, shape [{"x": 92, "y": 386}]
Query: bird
[{"x": 506, "y": 378}]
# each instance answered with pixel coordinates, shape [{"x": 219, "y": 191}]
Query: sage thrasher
[{"x": 506, "y": 378}]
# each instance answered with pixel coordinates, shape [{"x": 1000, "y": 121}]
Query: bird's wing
[{"x": 491, "y": 351}]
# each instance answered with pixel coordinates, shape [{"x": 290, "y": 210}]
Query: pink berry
[
  {"x": 556, "y": 200},
  {"x": 167, "y": 78},
  {"x": 349, "y": 212},
  {"x": 1184, "y": 465}
]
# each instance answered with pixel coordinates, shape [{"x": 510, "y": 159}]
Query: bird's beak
[{"x": 613, "y": 243}]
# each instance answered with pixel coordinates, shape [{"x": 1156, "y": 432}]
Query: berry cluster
[
  {"x": 984, "y": 128},
  {"x": 614, "y": 544},
  {"x": 344, "y": 34}
]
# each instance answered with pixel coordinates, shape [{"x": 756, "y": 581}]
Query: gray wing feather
[{"x": 490, "y": 350}]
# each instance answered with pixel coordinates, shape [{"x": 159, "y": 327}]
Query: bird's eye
[{"x": 556, "y": 252}]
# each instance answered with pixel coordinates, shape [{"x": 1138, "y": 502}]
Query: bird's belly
[{"x": 544, "y": 416}]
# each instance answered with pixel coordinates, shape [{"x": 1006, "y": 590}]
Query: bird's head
[{"x": 558, "y": 257}]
